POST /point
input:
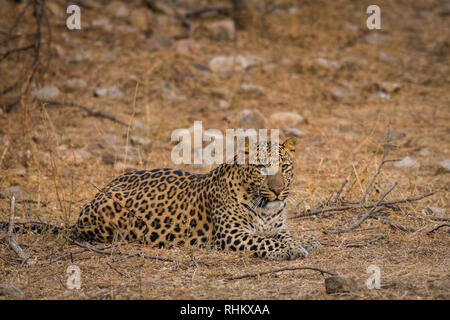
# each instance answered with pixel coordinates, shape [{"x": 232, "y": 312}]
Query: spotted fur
[{"x": 233, "y": 207}]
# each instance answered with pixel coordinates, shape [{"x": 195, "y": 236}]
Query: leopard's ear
[{"x": 289, "y": 145}]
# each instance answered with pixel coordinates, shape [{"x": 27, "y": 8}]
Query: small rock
[
  {"x": 377, "y": 38},
  {"x": 445, "y": 164},
  {"x": 390, "y": 87},
  {"x": 78, "y": 156},
  {"x": 340, "y": 284},
  {"x": 286, "y": 119},
  {"x": 221, "y": 93},
  {"x": 223, "y": 30},
  {"x": 138, "y": 19},
  {"x": 156, "y": 42},
  {"x": 251, "y": 89},
  {"x": 46, "y": 93},
  {"x": 137, "y": 140},
  {"x": 75, "y": 83},
  {"x": 121, "y": 166},
  {"x": 112, "y": 92},
  {"x": 109, "y": 57},
  {"x": 252, "y": 119},
  {"x": 19, "y": 171},
  {"x": 397, "y": 134},
  {"x": 137, "y": 124},
  {"x": 226, "y": 64},
  {"x": 78, "y": 58},
  {"x": 380, "y": 96},
  {"x": 151, "y": 282},
  {"x": 339, "y": 94},
  {"x": 8, "y": 192},
  {"x": 224, "y": 104},
  {"x": 385, "y": 57},
  {"x": 327, "y": 63},
  {"x": 436, "y": 211},
  {"x": 406, "y": 162},
  {"x": 10, "y": 291},
  {"x": 103, "y": 23},
  {"x": 293, "y": 132},
  {"x": 186, "y": 46},
  {"x": 424, "y": 152},
  {"x": 111, "y": 139},
  {"x": 117, "y": 9}
]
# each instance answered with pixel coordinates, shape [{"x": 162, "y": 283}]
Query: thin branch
[
  {"x": 308, "y": 213},
  {"x": 117, "y": 270},
  {"x": 8, "y": 238},
  {"x": 380, "y": 166},
  {"x": 366, "y": 214},
  {"x": 438, "y": 227},
  {"x": 253, "y": 275},
  {"x": 89, "y": 112},
  {"x": 360, "y": 245}
]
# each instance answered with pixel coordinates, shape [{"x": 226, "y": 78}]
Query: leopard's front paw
[{"x": 291, "y": 251}]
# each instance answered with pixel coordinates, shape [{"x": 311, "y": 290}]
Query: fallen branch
[
  {"x": 89, "y": 112},
  {"x": 8, "y": 238},
  {"x": 366, "y": 214},
  {"x": 308, "y": 213},
  {"x": 438, "y": 227},
  {"x": 253, "y": 275},
  {"x": 395, "y": 225},
  {"x": 117, "y": 270},
  {"x": 360, "y": 245}
]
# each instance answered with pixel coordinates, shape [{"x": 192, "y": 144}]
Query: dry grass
[{"x": 344, "y": 139}]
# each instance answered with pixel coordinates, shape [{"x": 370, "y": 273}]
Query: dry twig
[
  {"x": 366, "y": 214},
  {"x": 253, "y": 275}
]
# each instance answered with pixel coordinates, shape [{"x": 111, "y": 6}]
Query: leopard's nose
[{"x": 277, "y": 191}]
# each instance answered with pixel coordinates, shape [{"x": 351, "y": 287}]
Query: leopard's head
[{"x": 268, "y": 177}]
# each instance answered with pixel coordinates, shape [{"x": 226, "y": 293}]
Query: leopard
[{"x": 235, "y": 207}]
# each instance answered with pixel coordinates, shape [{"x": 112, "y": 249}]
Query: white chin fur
[{"x": 274, "y": 206}]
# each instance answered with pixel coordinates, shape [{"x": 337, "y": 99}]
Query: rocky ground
[{"x": 105, "y": 99}]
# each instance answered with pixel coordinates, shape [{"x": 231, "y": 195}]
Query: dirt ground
[{"x": 316, "y": 58}]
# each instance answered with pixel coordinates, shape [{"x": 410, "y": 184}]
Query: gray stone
[
  {"x": 406, "y": 162},
  {"x": 293, "y": 132},
  {"x": 286, "y": 119},
  {"x": 121, "y": 166},
  {"x": 224, "y": 104},
  {"x": 252, "y": 119},
  {"x": 221, "y": 93},
  {"x": 251, "y": 89},
  {"x": 118, "y": 9},
  {"x": 237, "y": 63},
  {"x": 8, "y": 192},
  {"x": 139, "y": 19},
  {"x": 326, "y": 63},
  {"x": 186, "y": 46},
  {"x": 436, "y": 211},
  {"x": 445, "y": 164},
  {"x": 75, "y": 83},
  {"x": 222, "y": 30},
  {"x": 377, "y": 38},
  {"x": 340, "y": 284},
  {"x": 386, "y": 57},
  {"x": 46, "y": 93},
  {"x": 380, "y": 96},
  {"x": 10, "y": 291},
  {"x": 112, "y": 92}
]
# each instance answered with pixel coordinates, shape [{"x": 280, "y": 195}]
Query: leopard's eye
[
  {"x": 285, "y": 167},
  {"x": 263, "y": 169}
]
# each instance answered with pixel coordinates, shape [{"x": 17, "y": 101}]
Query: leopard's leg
[
  {"x": 286, "y": 237},
  {"x": 271, "y": 248}
]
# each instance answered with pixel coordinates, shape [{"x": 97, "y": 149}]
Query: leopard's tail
[{"x": 35, "y": 227}]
